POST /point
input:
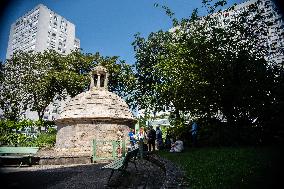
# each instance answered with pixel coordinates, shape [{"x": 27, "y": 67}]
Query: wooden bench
[
  {"x": 122, "y": 163},
  {"x": 20, "y": 154}
]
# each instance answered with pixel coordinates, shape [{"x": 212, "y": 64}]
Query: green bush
[
  {"x": 11, "y": 133},
  {"x": 45, "y": 140},
  {"x": 8, "y": 133},
  {"x": 180, "y": 129},
  {"x": 213, "y": 132}
]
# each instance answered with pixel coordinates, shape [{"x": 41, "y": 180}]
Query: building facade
[
  {"x": 269, "y": 11},
  {"x": 38, "y": 30},
  {"x": 42, "y": 29}
]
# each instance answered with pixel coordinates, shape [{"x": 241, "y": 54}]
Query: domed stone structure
[{"x": 95, "y": 114}]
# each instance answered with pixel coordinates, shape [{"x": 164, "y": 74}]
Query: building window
[{"x": 35, "y": 23}]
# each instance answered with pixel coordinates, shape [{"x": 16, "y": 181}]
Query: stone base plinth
[
  {"x": 65, "y": 160},
  {"x": 76, "y": 139}
]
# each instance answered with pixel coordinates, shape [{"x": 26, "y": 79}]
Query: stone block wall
[{"x": 76, "y": 139}]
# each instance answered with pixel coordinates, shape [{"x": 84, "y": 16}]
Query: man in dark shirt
[
  {"x": 151, "y": 135},
  {"x": 131, "y": 137}
]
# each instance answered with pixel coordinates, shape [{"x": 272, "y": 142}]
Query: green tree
[
  {"x": 121, "y": 78},
  {"x": 12, "y": 98},
  {"x": 207, "y": 70},
  {"x": 34, "y": 80},
  {"x": 72, "y": 72},
  {"x": 41, "y": 84}
]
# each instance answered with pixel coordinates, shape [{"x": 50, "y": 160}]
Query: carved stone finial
[{"x": 99, "y": 78}]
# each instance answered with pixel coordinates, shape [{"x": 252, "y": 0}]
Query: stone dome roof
[{"x": 96, "y": 104}]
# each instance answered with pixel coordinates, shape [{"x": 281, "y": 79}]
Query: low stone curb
[
  {"x": 174, "y": 176},
  {"x": 65, "y": 160}
]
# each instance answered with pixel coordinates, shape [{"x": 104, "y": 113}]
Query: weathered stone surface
[
  {"x": 77, "y": 139},
  {"x": 64, "y": 160},
  {"x": 94, "y": 114},
  {"x": 96, "y": 104}
]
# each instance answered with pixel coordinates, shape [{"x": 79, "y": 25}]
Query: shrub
[
  {"x": 27, "y": 133},
  {"x": 45, "y": 140}
]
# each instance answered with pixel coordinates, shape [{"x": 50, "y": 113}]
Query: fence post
[{"x": 114, "y": 153}]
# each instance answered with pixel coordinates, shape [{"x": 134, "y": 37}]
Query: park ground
[
  {"x": 208, "y": 167},
  {"x": 231, "y": 167},
  {"x": 81, "y": 176}
]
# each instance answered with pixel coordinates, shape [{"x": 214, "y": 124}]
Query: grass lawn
[{"x": 230, "y": 167}]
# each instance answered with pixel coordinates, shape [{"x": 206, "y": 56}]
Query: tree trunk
[{"x": 40, "y": 117}]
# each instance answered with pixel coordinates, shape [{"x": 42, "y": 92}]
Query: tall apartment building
[
  {"x": 41, "y": 29},
  {"x": 38, "y": 30},
  {"x": 275, "y": 37}
]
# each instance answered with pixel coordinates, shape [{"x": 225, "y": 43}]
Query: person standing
[
  {"x": 159, "y": 138},
  {"x": 141, "y": 136},
  {"x": 131, "y": 137},
  {"x": 193, "y": 131},
  {"x": 151, "y": 135},
  {"x": 168, "y": 141}
]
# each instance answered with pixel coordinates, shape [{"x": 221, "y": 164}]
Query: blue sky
[{"x": 105, "y": 26}]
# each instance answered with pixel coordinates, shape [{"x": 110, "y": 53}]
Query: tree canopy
[
  {"x": 209, "y": 69},
  {"x": 34, "y": 80}
]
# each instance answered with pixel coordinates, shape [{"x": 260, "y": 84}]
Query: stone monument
[{"x": 95, "y": 114}]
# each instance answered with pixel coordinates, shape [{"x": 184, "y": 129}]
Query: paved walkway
[{"x": 81, "y": 176}]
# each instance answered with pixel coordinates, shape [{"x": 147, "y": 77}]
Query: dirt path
[{"x": 81, "y": 176}]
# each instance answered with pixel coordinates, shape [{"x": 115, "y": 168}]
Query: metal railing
[{"x": 118, "y": 149}]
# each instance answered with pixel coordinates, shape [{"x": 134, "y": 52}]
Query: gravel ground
[{"x": 148, "y": 175}]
